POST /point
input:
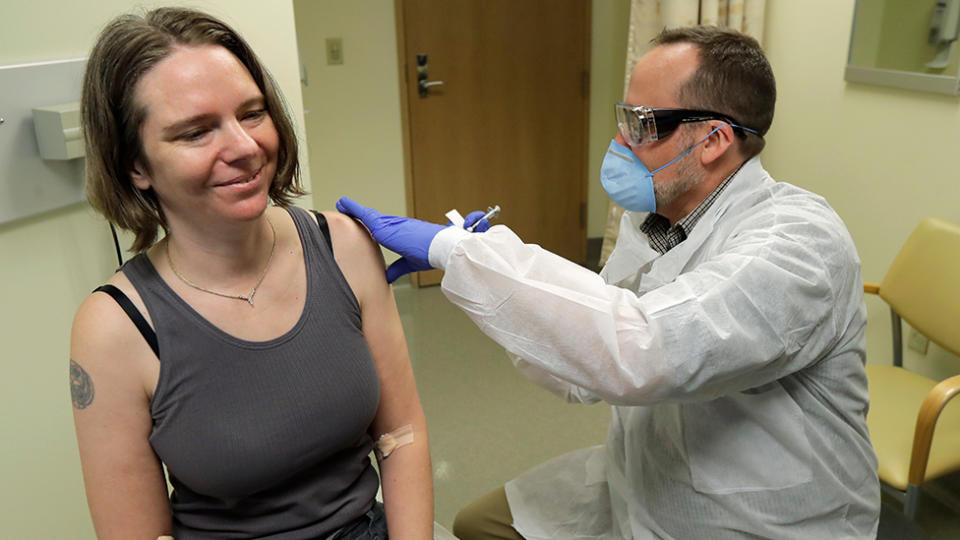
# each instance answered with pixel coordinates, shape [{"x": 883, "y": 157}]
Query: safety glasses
[{"x": 640, "y": 125}]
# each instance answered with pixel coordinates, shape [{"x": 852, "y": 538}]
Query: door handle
[{"x": 423, "y": 82}]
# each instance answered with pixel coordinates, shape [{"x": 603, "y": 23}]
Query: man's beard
[{"x": 688, "y": 176}]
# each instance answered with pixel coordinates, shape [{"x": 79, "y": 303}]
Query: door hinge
[{"x": 583, "y": 215}]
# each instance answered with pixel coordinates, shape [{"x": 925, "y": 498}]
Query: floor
[
  {"x": 488, "y": 424},
  {"x": 938, "y": 515}
]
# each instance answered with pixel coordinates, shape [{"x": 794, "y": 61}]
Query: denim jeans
[{"x": 370, "y": 526}]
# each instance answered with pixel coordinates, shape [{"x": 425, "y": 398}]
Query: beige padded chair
[{"x": 915, "y": 434}]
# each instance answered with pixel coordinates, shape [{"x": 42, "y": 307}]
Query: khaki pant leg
[{"x": 485, "y": 518}]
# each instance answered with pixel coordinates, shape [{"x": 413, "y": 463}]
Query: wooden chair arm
[
  {"x": 871, "y": 288},
  {"x": 933, "y": 404}
]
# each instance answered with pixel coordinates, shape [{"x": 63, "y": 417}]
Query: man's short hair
[
  {"x": 127, "y": 48},
  {"x": 733, "y": 78}
]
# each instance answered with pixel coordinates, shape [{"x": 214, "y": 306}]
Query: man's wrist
[{"x": 442, "y": 245}]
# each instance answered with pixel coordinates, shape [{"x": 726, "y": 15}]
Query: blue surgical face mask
[{"x": 628, "y": 181}]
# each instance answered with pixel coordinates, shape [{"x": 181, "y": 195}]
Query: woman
[{"x": 261, "y": 352}]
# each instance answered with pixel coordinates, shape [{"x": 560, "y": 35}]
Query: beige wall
[
  {"x": 49, "y": 263},
  {"x": 608, "y": 57},
  {"x": 866, "y": 42},
  {"x": 353, "y": 109},
  {"x": 884, "y": 158}
]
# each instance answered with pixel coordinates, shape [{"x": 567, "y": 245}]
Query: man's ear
[
  {"x": 141, "y": 178},
  {"x": 717, "y": 144}
]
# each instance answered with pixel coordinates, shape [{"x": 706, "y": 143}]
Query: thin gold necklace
[{"x": 245, "y": 297}]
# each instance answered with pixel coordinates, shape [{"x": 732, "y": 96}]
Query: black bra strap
[
  {"x": 324, "y": 228},
  {"x": 134, "y": 314}
]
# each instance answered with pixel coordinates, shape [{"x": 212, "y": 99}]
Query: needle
[{"x": 491, "y": 214}]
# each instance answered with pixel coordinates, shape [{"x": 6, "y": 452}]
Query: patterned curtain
[{"x": 647, "y": 18}]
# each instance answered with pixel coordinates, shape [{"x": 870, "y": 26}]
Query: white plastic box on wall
[{"x": 59, "y": 135}]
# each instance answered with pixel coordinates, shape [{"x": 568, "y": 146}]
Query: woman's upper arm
[
  {"x": 406, "y": 474},
  {"x": 123, "y": 478},
  {"x": 361, "y": 262}
]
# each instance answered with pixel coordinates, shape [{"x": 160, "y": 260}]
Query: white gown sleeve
[
  {"x": 561, "y": 319},
  {"x": 570, "y": 392},
  {"x": 756, "y": 312},
  {"x": 439, "y": 254}
]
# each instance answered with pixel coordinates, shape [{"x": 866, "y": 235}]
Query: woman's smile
[{"x": 243, "y": 181}]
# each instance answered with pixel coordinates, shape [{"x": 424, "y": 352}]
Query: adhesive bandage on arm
[{"x": 388, "y": 442}]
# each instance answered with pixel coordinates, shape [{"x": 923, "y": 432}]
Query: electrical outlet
[
  {"x": 917, "y": 342},
  {"x": 334, "y": 51}
]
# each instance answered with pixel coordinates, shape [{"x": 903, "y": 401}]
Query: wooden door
[{"x": 508, "y": 125}]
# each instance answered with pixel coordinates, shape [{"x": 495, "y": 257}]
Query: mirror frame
[{"x": 909, "y": 80}]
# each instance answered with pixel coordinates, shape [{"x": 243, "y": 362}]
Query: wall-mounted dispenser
[
  {"x": 58, "y": 131},
  {"x": 944, "y": 28}
]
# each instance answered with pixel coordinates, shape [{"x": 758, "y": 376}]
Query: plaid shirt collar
[{"x": 663, "y": 237}]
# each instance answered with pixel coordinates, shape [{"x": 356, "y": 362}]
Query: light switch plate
[{"x": 334, "y": 51}]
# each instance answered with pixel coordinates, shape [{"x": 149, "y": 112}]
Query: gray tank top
[{"x": 264, "y": 439}]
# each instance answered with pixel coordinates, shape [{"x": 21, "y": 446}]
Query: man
[{"x": 726, "y": 329}]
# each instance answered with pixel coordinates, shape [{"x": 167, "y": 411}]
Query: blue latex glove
[
  {"x": 408, "y": 237},
  {"x": 472, "y": 218}
]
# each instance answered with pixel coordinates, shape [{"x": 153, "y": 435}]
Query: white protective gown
[{"x": 734, "y": 364}]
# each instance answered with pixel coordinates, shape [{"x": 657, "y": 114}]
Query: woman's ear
[
  {"x": 141, "y": 178},
  {"x": 717, "y": 144}
]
